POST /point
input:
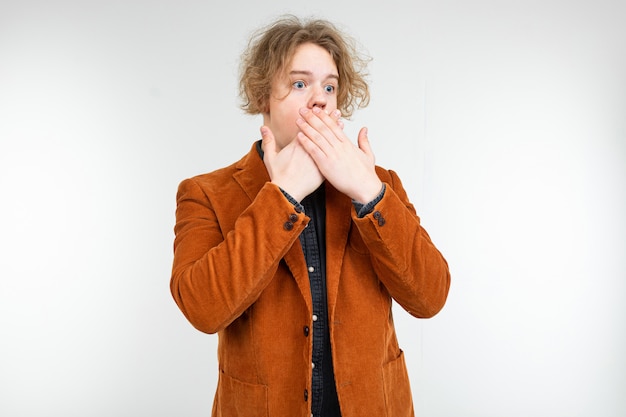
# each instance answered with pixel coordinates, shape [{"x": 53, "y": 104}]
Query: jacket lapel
[
  {"x": 338, "y": 221},
  {"x": 294, "y": 258},
  {"x": 251, "y": 173}
]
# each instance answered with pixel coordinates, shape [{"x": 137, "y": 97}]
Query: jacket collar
[{"x": 251, "y": 173}]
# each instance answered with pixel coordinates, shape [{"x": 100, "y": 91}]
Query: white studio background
[{"x": 504, "y": 119}]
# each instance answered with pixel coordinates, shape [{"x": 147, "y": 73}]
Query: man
[{"x": 294, "y": 253}]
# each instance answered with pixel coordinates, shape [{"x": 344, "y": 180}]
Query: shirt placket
[{"x": 310, "y": 246}]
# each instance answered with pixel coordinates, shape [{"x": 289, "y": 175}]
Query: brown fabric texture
[{"x": 239, "y": 271}]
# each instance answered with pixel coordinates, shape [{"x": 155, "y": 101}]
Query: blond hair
[{"x": 271, "y": 48}]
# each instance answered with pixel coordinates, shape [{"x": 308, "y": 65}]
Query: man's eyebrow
[{"x": 309, "y": 73}]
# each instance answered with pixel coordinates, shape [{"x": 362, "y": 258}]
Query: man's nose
[{"x": 318, "y": 98}]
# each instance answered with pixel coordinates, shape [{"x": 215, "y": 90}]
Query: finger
[
  {"x": 310, "y": 147},
  {"x": 330, "y": 119},
  {"x": 323, "y": 126},
  {"x": 313, "y": 129},
  {"x": 336, "y": 116}
]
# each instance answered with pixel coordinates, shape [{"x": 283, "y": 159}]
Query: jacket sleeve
[
  {"x": 218, "y": 273},
  {"x": 406, "y": 261}
]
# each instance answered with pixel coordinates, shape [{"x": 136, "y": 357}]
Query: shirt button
[
  {"x": 306, "y": 395},
  {"x": 314, "y": 317},
  {"x": 306, "y": 330},
  {"x": 313, "y": 365},
  {"x": 311, "y": 269}
]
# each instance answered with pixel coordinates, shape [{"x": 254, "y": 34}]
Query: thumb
[
  {"x": 268, "y": 143},
  {"x": 364, "y": 142}
]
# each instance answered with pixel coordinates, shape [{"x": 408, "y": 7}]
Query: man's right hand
[{"x": 291, "y": 168}]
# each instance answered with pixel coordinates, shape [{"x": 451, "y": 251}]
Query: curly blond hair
[{"x": 271, "y": 48}]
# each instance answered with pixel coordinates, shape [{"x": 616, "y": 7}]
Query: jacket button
[
  {"x": 288, "y": 226},
  {"x": 306, "y": 395},
  {"x": 293, "y": 217},
  {"x": 377, "y": 215},
  {"x": 306, "y": 330}
]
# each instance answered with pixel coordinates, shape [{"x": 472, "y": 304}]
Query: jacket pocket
[
  {"x": 240, "y": 399},
  {"x": 397, "y": 388}
]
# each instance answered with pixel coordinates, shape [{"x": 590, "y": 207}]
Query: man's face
[{"x": 310, "y": 80}]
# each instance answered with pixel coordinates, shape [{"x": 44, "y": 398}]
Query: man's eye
[
  {"x": 330, "y": 88},
  {"x": 299, "y": 84}
]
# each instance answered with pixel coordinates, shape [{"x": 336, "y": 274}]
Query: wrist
[
  {"x": 289, "y": 190},
  {"x": 368, "y": 193}
]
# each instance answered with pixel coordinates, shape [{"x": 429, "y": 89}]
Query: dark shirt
[{"x": 313, "y": 239}]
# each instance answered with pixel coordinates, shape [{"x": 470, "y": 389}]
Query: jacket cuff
[
  {"x": 299, "y": 207},
  {"x": 363, "y": 210}
]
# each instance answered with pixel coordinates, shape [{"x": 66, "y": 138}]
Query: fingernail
[
  {"x": 304, "y": 110},
  {"x": 316, "y": 110},
  {"x": 299, "y": 121},
  {"x": 336, "y": 113}
]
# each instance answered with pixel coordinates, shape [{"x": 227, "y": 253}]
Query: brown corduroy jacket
[{"x": 239, "y": 270}]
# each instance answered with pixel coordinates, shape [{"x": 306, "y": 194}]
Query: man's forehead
[{"x": 310, "y": 74}]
